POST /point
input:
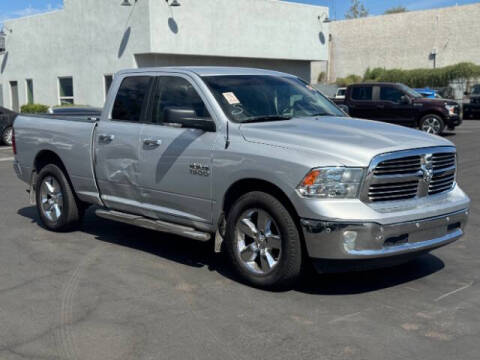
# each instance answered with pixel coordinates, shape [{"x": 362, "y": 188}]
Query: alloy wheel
[
  {"x": 431, "y": 125},
  {"x": 258, "y": 241},
  {"x": 51, "y": 198}
]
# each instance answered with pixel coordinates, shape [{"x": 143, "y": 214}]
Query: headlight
[
  {"x": 450, "y": 109},
  {"x": 332, "y": 182}
]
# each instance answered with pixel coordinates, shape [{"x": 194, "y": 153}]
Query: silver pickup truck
[{"x": 256, "y": 161}]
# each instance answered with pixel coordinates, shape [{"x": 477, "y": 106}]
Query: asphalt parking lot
[{"x": 113, "y": 291}]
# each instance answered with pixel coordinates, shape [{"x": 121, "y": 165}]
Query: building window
[
  {"x": 65, "y": 87},
  {"x": 14, "y": 96},
  {"x": 108, "y": 84},
  {"x": 30, "y": 91}
]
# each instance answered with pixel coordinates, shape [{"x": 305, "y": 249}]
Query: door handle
[
  {"x": 380, "y": 106},
  {"x": 152, "y": 142},
  {"x": 104, "y": 138}
]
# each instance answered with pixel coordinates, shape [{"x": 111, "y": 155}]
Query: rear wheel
[
  {"x": 432, "y": 124},
  {"x": 57, "y": 206},
  {"x": 7, "y": 136},
  {"x": 262, "y": 241}
]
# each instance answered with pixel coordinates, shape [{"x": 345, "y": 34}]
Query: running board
[{"x": 151, "y": 224}]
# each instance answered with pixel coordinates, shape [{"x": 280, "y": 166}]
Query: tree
[
  {"x": 357, "y": 10},
  {"x": 396, "y": 10}
]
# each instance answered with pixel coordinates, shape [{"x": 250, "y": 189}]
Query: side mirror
[
  {"x": 405, "y": 100},
  {"x": 344, "y": 108},
  {"x": 188, "y": 118}
]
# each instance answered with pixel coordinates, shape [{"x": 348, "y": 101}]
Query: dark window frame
[
  {"x": 155, "y": 86},
  {"x": 362, "y": 100},
  {"x": 144, "y": 106}
]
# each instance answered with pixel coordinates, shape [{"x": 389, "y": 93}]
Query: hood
[
  {"x": 340, "y": 141},
  {"x": 430, "y": 101}
]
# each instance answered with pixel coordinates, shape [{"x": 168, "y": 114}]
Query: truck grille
[{"x": 410, "y": 174}]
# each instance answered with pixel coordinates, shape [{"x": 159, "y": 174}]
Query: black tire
[
  {"x": 435, "y": 119},
  {"x": 6, "y": 136},
  {"x": 289, "y": 265},
  {"x": 71, "y": 209}
]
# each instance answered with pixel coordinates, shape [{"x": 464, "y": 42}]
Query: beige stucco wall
[{"x": 406, "y": 40}]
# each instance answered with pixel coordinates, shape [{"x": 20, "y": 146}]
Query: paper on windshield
[{"x": 231, "y": 98}]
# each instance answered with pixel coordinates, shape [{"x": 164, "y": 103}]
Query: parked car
[
  {"x": 341, "y": 93},
  {"x": 399, "y": 104},
  {"x": 428, "y": 93},
  {"x": 6, "y": 121},
  {"x": 257, "y": 160},
  {"x": 75, "y": 111},
  {"x": 471, "y": 110}
]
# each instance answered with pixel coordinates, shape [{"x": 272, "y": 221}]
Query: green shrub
[
  {"x": 349, "y": 80},
  {"x": 34, "y": 109},
  {"x": 440, "y": 77}
]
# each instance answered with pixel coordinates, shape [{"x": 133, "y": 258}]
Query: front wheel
[
  {"x": 432, "y": 124},
  {"x": 262, "y": 241},
  {"x": 7, "y": 136}
]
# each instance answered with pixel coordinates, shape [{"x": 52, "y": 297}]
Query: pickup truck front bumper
[{"x": 364, "y": 242}]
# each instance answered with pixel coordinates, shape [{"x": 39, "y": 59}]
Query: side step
[{"x": 151, "y": 224}]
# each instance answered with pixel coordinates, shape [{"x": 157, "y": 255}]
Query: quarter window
[
  {"x": 175, "y": 93},
  {"x": 65, "y": 87},
  {"x": 391, "y": 94},
  {"x": 131, "y": 98},
  {"x": 363, "y": 93}
]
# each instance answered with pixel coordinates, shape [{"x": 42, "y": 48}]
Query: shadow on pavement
[{"x": 197, "y": 254}]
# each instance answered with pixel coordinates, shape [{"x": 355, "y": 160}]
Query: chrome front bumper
[{"x": 354, "y": 241}]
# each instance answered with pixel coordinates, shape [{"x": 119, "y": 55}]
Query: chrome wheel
[
  {"x": 51, "y": 198},
  {"x": 431, "y": 125},
  {"x": 7, "y": 136},
  {"x": 258, "y": 241}
]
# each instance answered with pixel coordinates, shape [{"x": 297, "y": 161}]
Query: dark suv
[
  {"x": 399, "y": 104},
  {"x": 472, "y": 110}
]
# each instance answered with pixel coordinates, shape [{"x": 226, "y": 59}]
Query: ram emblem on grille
[{"x": 427, "y": 168}]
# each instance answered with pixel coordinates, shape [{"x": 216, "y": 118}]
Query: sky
[{"x": 18, "y": 8}]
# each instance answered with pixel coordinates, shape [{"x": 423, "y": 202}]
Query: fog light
[{"x": 349, "y": 238}]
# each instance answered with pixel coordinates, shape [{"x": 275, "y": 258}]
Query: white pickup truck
[{"x": 258, "y": 160}]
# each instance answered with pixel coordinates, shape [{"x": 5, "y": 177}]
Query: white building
[{"x": 69, "y": 55}]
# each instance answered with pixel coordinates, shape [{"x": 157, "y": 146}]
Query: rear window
[
  {"x": 362, "y": 93},
  {"x": 130, "y": 98}
]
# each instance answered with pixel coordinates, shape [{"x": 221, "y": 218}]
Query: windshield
[
  {"x": 410, "y": 91},
  {"x": 250, "y": 98},
  {"x": 476, "y": 90}
]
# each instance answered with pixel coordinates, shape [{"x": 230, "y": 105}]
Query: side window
[
  {"x": 390, "y": 94},
  {"x": 130, "y": 98},
  {"x": 362, "y": 93},
  {"x": 175, "y": 93}
]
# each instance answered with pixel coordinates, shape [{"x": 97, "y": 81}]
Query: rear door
[
  {"x": 176, "y": 162},
  {"x": 392, "y": 108},
  {"x": 117, "y": 136},
  {"x": 361, "y": 104}
]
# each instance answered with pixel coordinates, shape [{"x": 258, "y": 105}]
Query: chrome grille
[
  {"x": 410, "y": 174},
  {"x": 399, "y": 166},
  {"x": 393, "y": 191}
]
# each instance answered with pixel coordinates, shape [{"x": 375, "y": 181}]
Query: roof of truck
[{"x": 207, "y": 70}]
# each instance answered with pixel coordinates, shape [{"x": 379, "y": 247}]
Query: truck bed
[{"x": 68, "y": 137}]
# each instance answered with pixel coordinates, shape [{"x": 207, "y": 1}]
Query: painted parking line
[{"x": 7, "y": 159}]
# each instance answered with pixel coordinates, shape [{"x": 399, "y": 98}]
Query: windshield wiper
[
  {"x": 266, "y": 118},
  {"x": 320, "y": 114}
]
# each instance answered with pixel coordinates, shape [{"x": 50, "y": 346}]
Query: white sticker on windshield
[{"x": 231, "y": 98}]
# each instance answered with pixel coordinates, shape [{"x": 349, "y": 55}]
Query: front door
[
  {"x": 176, "y": 161},
  {"x": 117, "y": 162},
  {"x": 394, "y": 108}
]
